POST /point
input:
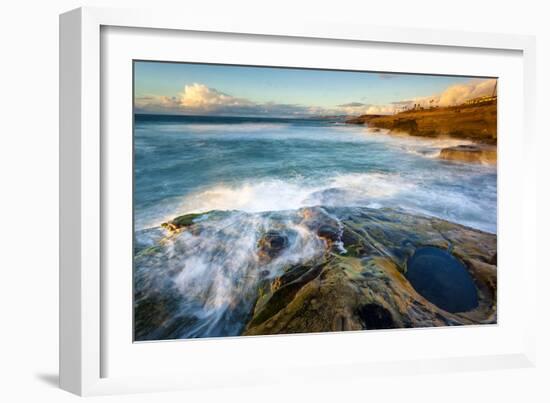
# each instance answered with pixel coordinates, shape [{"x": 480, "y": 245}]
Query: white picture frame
[{"x": 83, "y": 173}]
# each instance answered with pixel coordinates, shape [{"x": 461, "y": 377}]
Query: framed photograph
[{"x": 238, "y": 197}]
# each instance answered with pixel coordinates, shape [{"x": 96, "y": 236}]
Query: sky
[{"x": 224, "y": 90}]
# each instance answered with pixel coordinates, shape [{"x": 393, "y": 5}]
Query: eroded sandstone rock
[
  {"x": 476, "y": 153},
  {"x": 364, "y": 286}
]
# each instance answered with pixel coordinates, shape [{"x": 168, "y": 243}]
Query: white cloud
[
  {"x": 156, "y": 102},
  {"x": 453, "y": 95},
  {"x": 201, "y": 97},
  {"x": 365, "y": 109},
  {"x": 458, "y": 94}
]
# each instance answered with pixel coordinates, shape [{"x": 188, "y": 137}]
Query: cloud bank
[
  {"x": 199, "y": 96},
  {"x": 199, "y": 99},
  {"x": 453, "y": 95}
]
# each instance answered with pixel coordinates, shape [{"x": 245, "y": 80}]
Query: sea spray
[
  {"x": 373, "y": 189},
  {"x": 211, "y": 272}
]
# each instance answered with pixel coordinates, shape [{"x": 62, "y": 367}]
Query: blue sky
[{"x": 221, "y": 89}]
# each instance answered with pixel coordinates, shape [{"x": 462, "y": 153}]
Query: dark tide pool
[{"x": 442, "y": 279}]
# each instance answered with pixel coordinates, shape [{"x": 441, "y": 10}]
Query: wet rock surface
[
  {"x": 474, "y": 153},
  {"x": 271, "y": 244},
  {"x": 363, "y": 283},
  {"x": 372, "y": 272}
]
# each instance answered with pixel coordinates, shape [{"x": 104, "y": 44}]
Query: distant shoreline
[{"x": 476, "y": 122}]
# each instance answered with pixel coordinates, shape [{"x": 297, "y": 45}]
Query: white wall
[{"x": 28, "y": 173}]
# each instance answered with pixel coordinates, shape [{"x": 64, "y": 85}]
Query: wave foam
[
  {"x": 421, "y": 146},
  {"x": 279, "y": 195},
  {"x": 216, "y": 270}
]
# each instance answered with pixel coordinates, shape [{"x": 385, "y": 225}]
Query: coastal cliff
[
  {"x": 472, "y": 122},
  {"x": 477, "y": 122}
]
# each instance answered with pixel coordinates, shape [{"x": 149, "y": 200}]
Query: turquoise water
[
  {"x": 258, "y": 172},
  {"x": 195, "y": 164}
]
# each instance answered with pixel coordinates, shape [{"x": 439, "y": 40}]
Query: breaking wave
[
  {"x": 416, "y": 194},
  {"x": 215, "y": 271}
]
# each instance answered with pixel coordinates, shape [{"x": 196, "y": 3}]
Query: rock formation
[
  {"x": 361, "y": 281},
  {"x": 474, "y": 153},
  {"x": 476, "y": 122}
]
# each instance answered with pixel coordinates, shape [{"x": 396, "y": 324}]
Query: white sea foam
[
  {"x": 414, "y": 193},
  {"x": 278, "y": 195},
  {"x": 270, "y": 195},
  {"x": 217, "y": 270},
  {"x": 422, "y": 146},
  {"x": 372, "y": 185}
]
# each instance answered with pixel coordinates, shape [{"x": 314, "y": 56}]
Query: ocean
[{"x": 194, "y": 164}]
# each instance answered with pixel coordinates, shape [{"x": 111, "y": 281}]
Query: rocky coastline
[{"x": 476, "y": 123}]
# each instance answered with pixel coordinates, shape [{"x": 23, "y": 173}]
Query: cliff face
[{"x": 477, "y": 122}]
